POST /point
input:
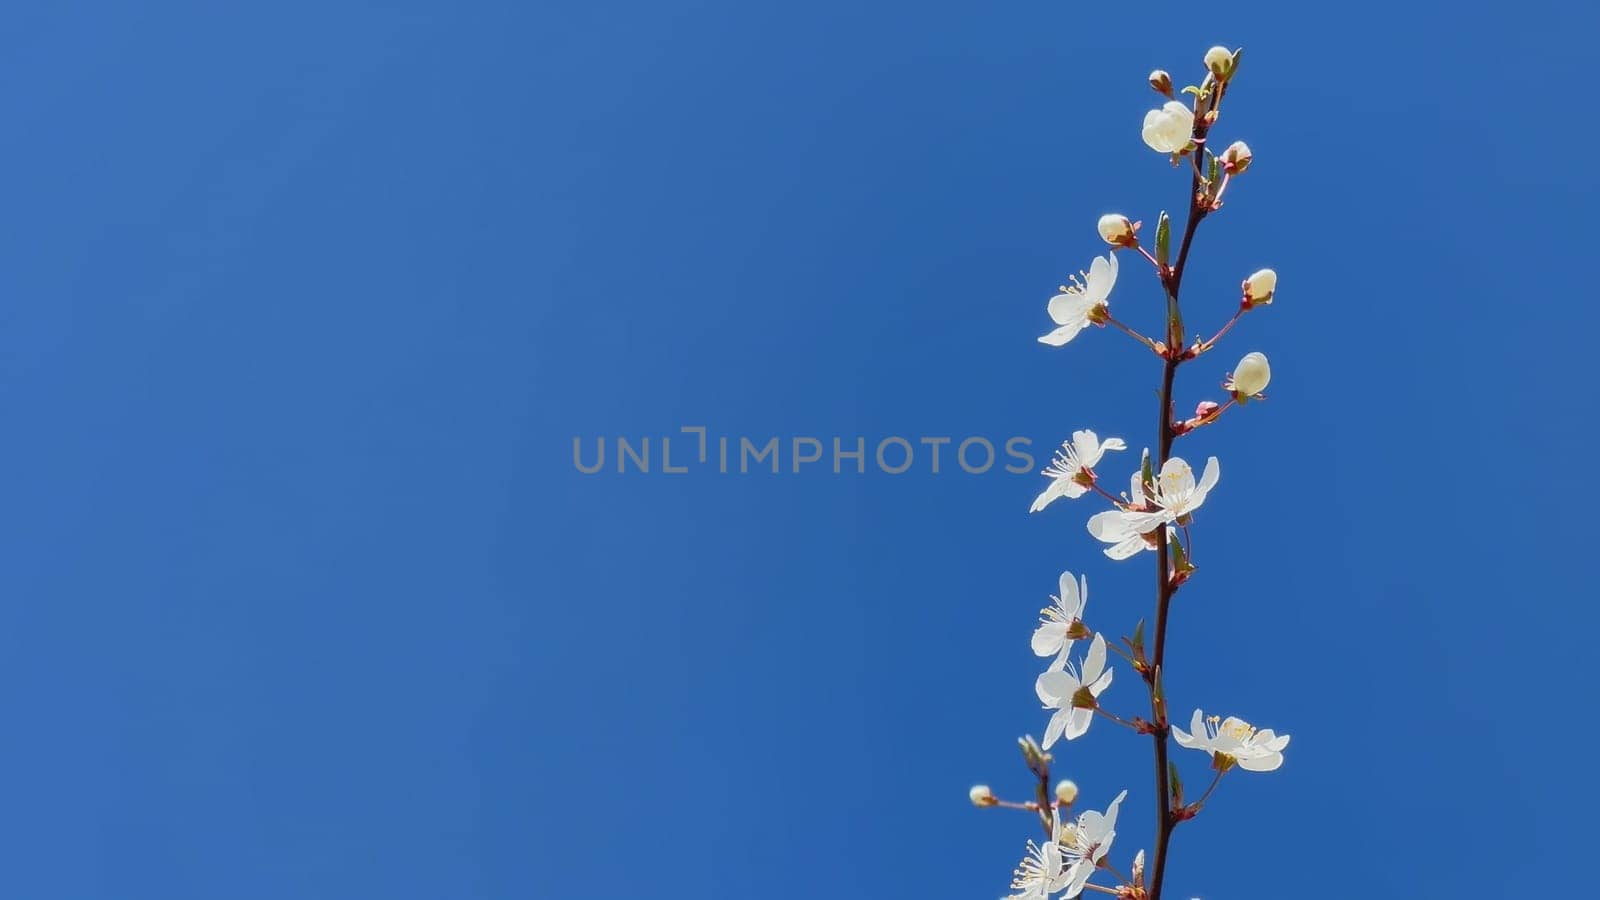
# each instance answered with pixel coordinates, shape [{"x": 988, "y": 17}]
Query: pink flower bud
[{"x": 1236, "y": 158}]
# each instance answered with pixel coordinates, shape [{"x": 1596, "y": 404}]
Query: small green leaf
[
  {"x": 1163, "y": 238},
  {"x": 1180, "y": 559},
  {"x": 1176, "y": 781},
  {"x": 1174, "y": 324}
]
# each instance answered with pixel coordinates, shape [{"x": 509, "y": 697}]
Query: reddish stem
[{"x": 1164, "y": 589}]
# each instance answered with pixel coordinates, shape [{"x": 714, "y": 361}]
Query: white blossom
[
  {"x": 980, "y": 795},
  {"x": 1167, "y": 130},
  {"x": 1053, "y": 637},
  {"x": 1176, "y": 494},
  {"x": 1086, "y": 842},
  {"x": 1058, "y": 689},
  {"x": 1251, "y": 375},
  {"x": 1042, "y": 872},
  {"x": 1231, "y": 741},
  {"x": 1112, "y": 526},
  {"x": 1073, "y": 308},
  {"x": 1071, "y": 470}
]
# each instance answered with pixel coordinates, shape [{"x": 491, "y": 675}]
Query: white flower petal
[
  {"x": 1078, "y": 722},
  {"x": 1095, "y": 662},
  {"x": 1110, "y": 526},
  {"x": 1062, "y": 335},
  {"x": 1127, "y": 548},
  {"x": 1100, "y": 684},
  {"x": 1069, "y": 600},
  {"x": 1060, "y": 487},
  {"x": 1048, "y": 638},
  {"x": 1176, "y": 480},
  {"x": 1055, "y": 687},
  {"x": 1102, "y": 277},
  {"x": 1266, "y": 763},
  {"x": 1077, "y": 877},
  {"x": 1087, "y": 448},
  {"x": 1208, "y": 480},
  {"x": 1052, "y": 731},
  {"x": 1146, "y": 522}
]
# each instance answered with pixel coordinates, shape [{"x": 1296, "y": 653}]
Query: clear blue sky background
[{"x": 301, "y": 306}]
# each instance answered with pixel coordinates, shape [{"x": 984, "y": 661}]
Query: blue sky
[{"x": 302, "y": 305}]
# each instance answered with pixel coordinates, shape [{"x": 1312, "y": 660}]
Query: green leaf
[
  {"x": 1176, "y": 782},
  {"x": 1174, "y": 325},
  {"x": 1163, "y": 238},
  {"x": 1180, "y": 559}
]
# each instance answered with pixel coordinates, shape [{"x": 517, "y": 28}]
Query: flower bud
[
  {"x": 1117, "y": 230},
  {"x": 1168, "y": 129},
  {"x": 1220, "y": 61},
  {"x": 980, "y": 795},
  {"x": 1066, "y": 792},
  {"x": 1205, "y": 408},
  {"x": 1259, "y": 288},
  {"x": 1236, "y": 158},
  {"x": 1161, "y": 83},
  {"x": 1251, "y": 375},
  {"x": 1037, "y": 760}
]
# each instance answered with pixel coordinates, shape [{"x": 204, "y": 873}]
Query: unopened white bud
[
  {"x": 1251, "y": 375},
  {"x": 1168, "y": 129},
  {"x": 1161, "y": 82},
  {"x": 1259, "y": 288},
  {"x": 980, "y": 795},
  {"x": 1117, "y": 230},
  {"x": 1220, "y": 61},
  {"x": 1066, "y": 792},
  {"x": 1236, "y": 158}
]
